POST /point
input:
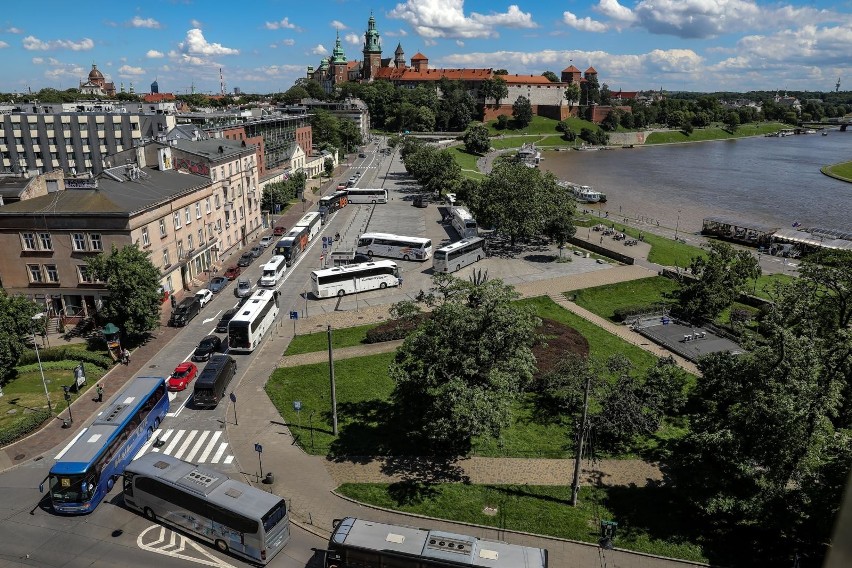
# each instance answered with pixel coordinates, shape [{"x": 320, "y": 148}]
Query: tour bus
[
  {"x": 312, "y": 221},
  {"x": 342, "y": 280},
  {"x": 394, "y": 246},
  {"x": 292, "y": 245},
  {"x": 234, "y": 516},
  {"x": 358, "y": 542},
  {"x": 457, "y": 255},
  {"x": 256, "y": 316},
  {"x": 366, "y": 195},
  {"x": 86, "y": 471},
  {"x": 463, "y": 222},
  {"x": 331, "y": 203},
  {"x": 273, "y": 270}
]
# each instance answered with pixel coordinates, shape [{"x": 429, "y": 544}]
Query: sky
[{"x": 264, "y": 46}]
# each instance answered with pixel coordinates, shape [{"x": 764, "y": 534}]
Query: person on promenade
[
  {"x": 100, "y": 393},
  {"x": 125, "y": 356}
]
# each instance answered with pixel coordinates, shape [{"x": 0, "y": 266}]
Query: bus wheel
[
  {"x": 157, "y": 422},
  {"x": 149, "y": 514},
  {"x": 370, "y": 253},
  {"x": 383, "y": 285},
  {"x": 341, "y": 293},
  {"x": 477, "y": 258},
  {"x": 221, "y": 545},
  {"x": 405, "y": 257}
]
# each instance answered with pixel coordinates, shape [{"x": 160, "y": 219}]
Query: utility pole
[
  {"x": 575, "y": 486},
  {"x": 333, "y": 390}
]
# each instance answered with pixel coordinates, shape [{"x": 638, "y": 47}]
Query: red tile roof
[
  {"x": 419, "y": 57},
  {"x": 408, "y": 74},
  {"x": 591, "y": 70},
  {"x": 158, "y": 97},
  {"x": 571, "y": 69},
  {"x": 352, "y": 65}
]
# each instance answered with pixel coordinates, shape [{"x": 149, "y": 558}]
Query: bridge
[{"x": 843, "y": 122}]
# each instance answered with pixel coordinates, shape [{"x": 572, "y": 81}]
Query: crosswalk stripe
[
  {"x": 197, "y": 445},
  {"x": 228, "y": 459},
  {"x": 187, "y": 441},
  {"x": 210, "y": 446},
  {"x": 147, "y": 445},
  {"x": 179, "y": 442},
  {"x": 219, "y": 453},
  {"x": 174, "y": 442}
]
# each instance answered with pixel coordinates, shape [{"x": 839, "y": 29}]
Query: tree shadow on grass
[{"x": 367, "y": 431}]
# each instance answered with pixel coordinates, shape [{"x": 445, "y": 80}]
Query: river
[{"x": 774, "y": 181}]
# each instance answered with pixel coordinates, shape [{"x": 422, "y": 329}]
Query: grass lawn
[
  {"x": 664, "y": 251},
  {"x": 604, "y": 300},
  {"x": 648, "y": 518},
  {"x": 513, "y": 142},
  {"x": 344, "y": 337},
  {"x": 714, "y": 133},
  {"x": 541, "y": 125},
  {"x": 766, "y": 283},
  {"x": 463, "y": 158},
  {"x": 842, "y": 171}
]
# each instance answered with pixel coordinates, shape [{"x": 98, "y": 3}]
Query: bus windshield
[
  {"x": 238, "y": 334},
  {"x": 69, "y": 488}
]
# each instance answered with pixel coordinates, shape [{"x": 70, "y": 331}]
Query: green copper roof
[
  {"x": 371, "y": 37},
  {"x": 337, "y": 55}
]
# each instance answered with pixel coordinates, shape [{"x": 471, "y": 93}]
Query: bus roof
[
  {"x": 364, "y": 189},
  {"x": 307, "y": 219},
  {"x": 459, "y": 244},
  {"x": 462, "y": 212},
  {"x": 217, "y": 487},
  {"x": 439, "y": 545},
  {"x": 392, "y": 236},
  {"x": 353, "y": 267},
  {"x": 253, "y": 305},
  {"x": 274, "y": 262},
  {"x": 87, "y": 447}
]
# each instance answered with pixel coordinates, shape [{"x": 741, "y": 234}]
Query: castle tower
[
  {"x": 372, "y": 51},
  {"x": 399, "y": 57},
  {"x": 338, "y": 62}
]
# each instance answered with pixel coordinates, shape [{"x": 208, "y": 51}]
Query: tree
[
  {"x": 349, "y": 134},
  {"x": 522, "y": 112},
  {"x": 551, "y": 76},
  {"x": 133, "y": 283},
  {"x": 732, "y": 121},
  {"x": 612, "y": 120},
  {"x": 568, "y": 133},
  {"x": 326, "y": 128},
  {"x": 16, "y": 327},
  {"x": 572, "y": 94},
  {"x": 502, "y": 122},
  {"x": 606, "y": 95},
  {"x": 493, "y": 89},
  {"x": 560, "y": 229},
  {"x": 459, "y": 373},
  {"x": 687, "y": 127},
  {"x": 477, "y": 140},
  {"x": 328, "y": 167},
  {"x": 720, "y": 277}
]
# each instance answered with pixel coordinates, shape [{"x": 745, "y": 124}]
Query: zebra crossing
[{"x": 196, "y": 446}]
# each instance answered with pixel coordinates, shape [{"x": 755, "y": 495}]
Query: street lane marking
[
  {"x": 197, "y": 445},
  {"x": 219, "y": 453},
  {"x": 228, "y": 460},
  {"x": 187, "y": 549},
  {"x": 186, "y": 444},
  {"x": 210, "y": 446}
]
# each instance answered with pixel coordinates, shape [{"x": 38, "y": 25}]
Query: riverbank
[{"x": 841, "y": 171}]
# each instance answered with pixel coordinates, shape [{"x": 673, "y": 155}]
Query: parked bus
[
  {"x": 256, "y": 316},
  {"x": 342, "y": 280},
  {"x": 331, "y": 203},
  {"x": 457, "y": 255},
  {"x": 463, "y": 222},
  {"x": 292, "y": 245},
  {"x": 273, "y": 270},
  {"x": 368, "y": 544},
  {"x": 394, "y": 246},
  {"x": 312, "y": 221},
  {"x": 86, "y": 471},
  {"x": 234, "y": 516},
  {"x": 366, "y": 195}
]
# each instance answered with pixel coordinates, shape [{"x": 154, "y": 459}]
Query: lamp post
[
  {"x": 36, "y": 318},
  {"x": 677, "y": 225}
]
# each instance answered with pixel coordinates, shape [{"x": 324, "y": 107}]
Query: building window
[
  {"x": 213, "y": 173},
  {"x": 180, "y": 249},
  {"x": 85, "y": 275},
  {"x": 35, "y": 273},
  {"x": 216, "y": 200},
  {"x": 162, "y": 228},
  {"x": 229, "y": 240},
  {"x": 28, "y": 241},
  {"x": 189, "y": 242},
  {"x": 78, "y": 241},
  {"x": 198, "y": 210},
  {"x": 146, "y": 240},
  {"x": 166, "y": 258},
  {"x": 207, "y": 205},
  {"x": 186, "y": 216},
  {"x": 241, "y": 212},
  {"x": 96, "y": 242},
  {"x": 51, "y": 272},
  {"x": 177, "y": 220},
  {"x": 46, "y": 242}
]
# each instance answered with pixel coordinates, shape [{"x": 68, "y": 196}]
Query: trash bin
[{"x": 269, "y": 479}]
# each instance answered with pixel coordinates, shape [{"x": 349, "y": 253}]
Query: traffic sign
[
  {"x": 294, "y": 315},
  {"x": 258, "y": 448},
  {"x": 233, "y": 397},
  {"x": 297, "y": 405}
]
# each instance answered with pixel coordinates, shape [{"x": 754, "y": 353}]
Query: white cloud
[
  {"x": 352, "y": 39},
  {"x": 280, "y": 25},
  {"x": 37, "y": 60},
  {"x": 583, "y": 24},
  {"x": 195, "y": 44},
  {"x": 430, "y": 42},
  {"x": 319, "y": 50},
  {"x": 272, "y": 46},
  {"x": 401, "y": 33},
  {"x": 445, "y": 18},
  {"x": 459, "y": 43},
  {"x": 3, "y": 45},
  {"x": 338, "y": 25},
  {"x": 196, "y": 23},
  {"x": 288, "y": 41},
  {"x": 128, "y": 71},
  {"x": 32, "y": 43},
  {"x": 612, "y": 9},
  {"x": 14, "y": 30},
  {"x": 154, "y": 54},
  {"x": 59, "y": 70},
  {"x": 139, "y": 22}
]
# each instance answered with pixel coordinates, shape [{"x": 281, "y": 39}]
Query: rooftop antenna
[
  {"x": 221, "y": 83},
  {"x": 837, "y": 85}
]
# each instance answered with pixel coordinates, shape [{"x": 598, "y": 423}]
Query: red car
[
  {"x": 233, "y": 272},
  {"x": 278, "y": 231},
  {"x": 182, "y": 376}
]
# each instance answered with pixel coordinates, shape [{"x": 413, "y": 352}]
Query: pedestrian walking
[
  {"x": 100, "y": 393},
  {"x": 125, "y": 356},
  {"x": 601, "y": 240}
]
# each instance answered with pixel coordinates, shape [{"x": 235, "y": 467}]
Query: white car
[
  {"x": 266, "y": 241},
  {"x": 204, "y": 296}
]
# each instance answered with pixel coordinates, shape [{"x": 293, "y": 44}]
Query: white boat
[
  {"x": 583, "y": 193},
  {"x": 529, "y": 154}
]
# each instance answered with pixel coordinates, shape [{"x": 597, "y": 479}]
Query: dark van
[
  {"x": 185, "y": 311},
  {"x": 214, "y": 379}
]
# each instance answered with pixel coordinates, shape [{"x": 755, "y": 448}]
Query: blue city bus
[{"x": 87, "y": 470}]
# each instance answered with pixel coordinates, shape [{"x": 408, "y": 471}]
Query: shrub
[
  {"x": 66, "y": 353},
  {"x": 624, "y": 312},
  {"x": 28, "y": 422}
]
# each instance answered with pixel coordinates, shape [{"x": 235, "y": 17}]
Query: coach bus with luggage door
[
  {"x": 293, "y": 244},
  {"x": 312, "y": 222},
  {"x": 394, "y": 246},
  {"x": 352, "y": 278}
]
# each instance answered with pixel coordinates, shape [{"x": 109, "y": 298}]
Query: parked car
[
  {"x": 222, "y": 326},
  {"x": 182, "y": 376},
  {"x": 265, "y": 241},
  {"x": 279, "y": 231},
  {"x": 204, "y": 296},
  {"x": 362, "y": 155},
  {"x": 183, "y": 313},
  {"x": 206, "y": 347},
  {"x": 420, "y": 200},
  {"x": 244, "y": 288},
  {"x": 256, "y": 251},
  {"x": 233, "y": 272},
  {"x": 246, "y": 259},
  {"x": 217, "y": 284}
]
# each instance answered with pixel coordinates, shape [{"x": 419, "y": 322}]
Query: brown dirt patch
[{"x": 557, "y": 340}]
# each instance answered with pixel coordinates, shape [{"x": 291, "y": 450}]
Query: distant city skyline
[{"x": 264, "y": 46}]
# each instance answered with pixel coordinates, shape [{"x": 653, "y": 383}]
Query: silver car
[{"x": 244, "y": 288}]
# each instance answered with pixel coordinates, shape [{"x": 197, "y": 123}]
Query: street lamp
[
  {"x": 677, "y": 225},
  {"x": 36, "y": 318}
]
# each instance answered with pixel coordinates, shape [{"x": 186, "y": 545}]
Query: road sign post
[
  {"x": 294, "y": 315},
  {"x": 259, "y": 449},
  {"x": 233, "y": 398},
  {"x": 297, "y": 406}
]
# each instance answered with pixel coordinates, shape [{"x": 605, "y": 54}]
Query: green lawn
[
  {"x": 604, "y": 300},
  {"x": 648, "y": 518},
  {"x": 463, "y": 158},
  {"x": 766, "y": 283},
  {"x": 714, "y": 133},
  {"x": 344, "y": 337},
  {"x": 664, "y": 251},
  {"x": 511, "y": 142},
  {"x": 541, "y": 125},
  {"x": 841, "y": 171}
]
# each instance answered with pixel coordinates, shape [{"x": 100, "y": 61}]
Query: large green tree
[
  {"x": 476, "y": 139},
  {"x": 493, "y": 89},
  {"x": 16, "y": 328},
  {"x": 572, "y": 94},
  {"x": 459, "y": 373},
  {"x": 522, "y": 112},
  {"x": 133, "y": 283},
  {"x": 719, "y": 278}
]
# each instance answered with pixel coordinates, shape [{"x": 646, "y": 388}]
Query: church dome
[{"x": 95, "y": 74}]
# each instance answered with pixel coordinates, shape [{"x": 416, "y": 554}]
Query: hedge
[
  {"x": 624, "y": 312},
  {"x": 24, "y": 426},
  {"x": 66, "y": 353}
]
